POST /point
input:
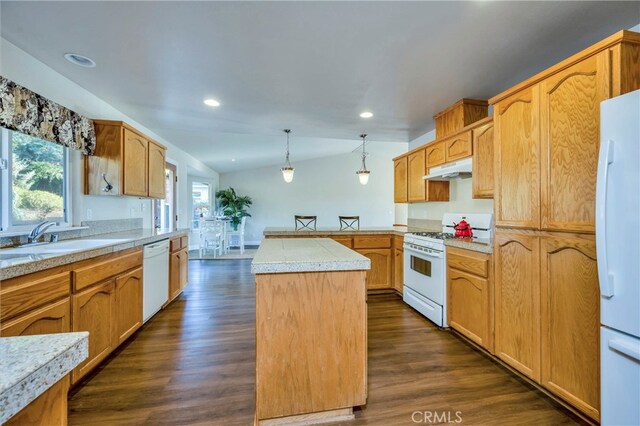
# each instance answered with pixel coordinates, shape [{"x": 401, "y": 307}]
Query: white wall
[
  {"x": 17, "y": 65},
  {"x": 326, "y": 187}
]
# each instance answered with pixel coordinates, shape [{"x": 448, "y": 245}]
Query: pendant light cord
[
  {"x": 287, "y": 131},
  {"x": 364, "y": 154}
]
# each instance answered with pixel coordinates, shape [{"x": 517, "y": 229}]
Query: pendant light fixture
[
  {"x": 363, "y": 173},
  {"x": 287, "y": 170}
]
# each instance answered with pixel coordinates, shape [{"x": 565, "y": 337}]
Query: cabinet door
[
  {"x": 517, "y": 162},
  {"x": 128, "y": 304},
  {"x": 50, "y": 319},
  {"x": 571, "y": 321},
  {"x": 175, "y": 285},
  {"x": 570, "y": 136},
  {"x": 184, "y": 268},
  {"x": 482, "y": 175},
  {"x": 135, "y": 158},
  {"x": 379, "y": 276},
  {"x": 469, "y": 307},
  {"x": 345, "y": 241},
  {"x": 416, "y": 164},
  {"x": 94, "y": 311},
  {"x": 458, "y": 147},
  {"x": 517, "y": 302},
  {"x": 400, "y": 187},
  {"x": 435, "y": 155},
  {"x": 398, "y": 269},
  {"x": 156, "y": 170}
]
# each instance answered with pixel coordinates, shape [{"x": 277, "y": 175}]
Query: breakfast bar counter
[{"x": 311, "y": 331}]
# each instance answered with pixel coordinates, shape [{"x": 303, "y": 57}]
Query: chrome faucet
[{"x": 38, "y": 230}]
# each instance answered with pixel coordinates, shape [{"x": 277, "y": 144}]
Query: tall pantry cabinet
[{"x": 547, "y": 132}]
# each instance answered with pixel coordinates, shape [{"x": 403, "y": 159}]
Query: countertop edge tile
[
  {"x": 136, "y": 240},
  {"x": 34, "y": 382},
  {"x": 483, "y": 246}
]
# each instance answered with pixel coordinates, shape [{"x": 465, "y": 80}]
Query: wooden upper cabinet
[
  {"x": 435, "y": 154},
  {"x": 129, "y": 161},
  {"x": 483, "y": 164},
  {"x": 459, "y": 115},
  {"x": 135, "y": 164},
  {"x": 458, "y": 146},
  {"x": 570, "y": 135},
  {"x": 416, "y": 165},
  {"x": 400, "y": 183},
  {"x": 157, "y": 166},
  {"x": 517, "y": 162},
  {"x": 570, "y": 301},
  {"x": 517, "y": 302}
]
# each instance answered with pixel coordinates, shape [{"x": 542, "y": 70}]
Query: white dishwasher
[{"x": 155, "y": 281}]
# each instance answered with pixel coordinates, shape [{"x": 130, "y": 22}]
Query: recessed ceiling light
[
  {"x": 366, "y": 114},
  {"x": 80, "y": 60},
  {"x": 233, "y": 160},
  {"x": 211, "y": 102}
]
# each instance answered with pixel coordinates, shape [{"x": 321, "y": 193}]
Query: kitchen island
[{"x": 311, "y": 331}]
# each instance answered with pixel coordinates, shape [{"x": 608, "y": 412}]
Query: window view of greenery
[{"x": 37, "y": 172}]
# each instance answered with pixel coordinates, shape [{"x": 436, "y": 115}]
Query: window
[
  {"x": 34, "y": 181},
  {"x": 200, "y": 202}
]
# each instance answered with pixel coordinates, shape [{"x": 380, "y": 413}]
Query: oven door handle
[{"x": 432, "y": 255}]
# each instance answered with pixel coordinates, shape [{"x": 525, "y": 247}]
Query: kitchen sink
[{"x": 61, "y": 247}]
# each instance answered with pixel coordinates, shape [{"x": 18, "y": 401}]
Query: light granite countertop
[
  {"x": 476, "y": 244},
  {"x": 282, "y": 255},
  {"x": 16, "y": 264},
  {"x": 32, "y": 364},
  {"x": 395, "y": 230}
]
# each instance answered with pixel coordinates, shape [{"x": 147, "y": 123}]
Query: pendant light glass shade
[
  {"x": 363, "y": 173},
  {"x": 287, "y": 170}
]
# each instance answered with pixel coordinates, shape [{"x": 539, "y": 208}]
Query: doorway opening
[{"x": 165, "y": 217}]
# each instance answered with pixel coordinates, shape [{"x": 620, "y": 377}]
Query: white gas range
[{"x": 425, "y": 265}]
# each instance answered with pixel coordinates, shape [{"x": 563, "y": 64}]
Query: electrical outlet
[
  {"x": 143, "y": 207},
  {"x": 89, "y": 214},
  {"x": 132, "y": 212}
]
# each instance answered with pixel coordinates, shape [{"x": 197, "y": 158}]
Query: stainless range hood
[{"x": 456, "y": 170}]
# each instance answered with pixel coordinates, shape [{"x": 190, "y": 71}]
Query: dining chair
[
  {"x": 306, "y": 222},
  {"x": 238, "y": 233},
  {"x": 211, "y": 237},
  {"x": 349, "y": 222}
]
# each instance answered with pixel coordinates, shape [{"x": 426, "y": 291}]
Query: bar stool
[
  {"x": 306, "y": 222},
  {"x": 349, "y": 222}
]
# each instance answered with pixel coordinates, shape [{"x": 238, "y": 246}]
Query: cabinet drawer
[
  {"x": 100, "y": 270},
  {"x": 176, "y": 244},
  {"x": 345, "y": 241},
  {"x": 468, "y": 261},
  {"x": 371, "y": 242},
  {"x": 23, "y": 294}
]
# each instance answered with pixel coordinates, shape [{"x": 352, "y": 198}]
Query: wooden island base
[{"x": 311, "y": 332}]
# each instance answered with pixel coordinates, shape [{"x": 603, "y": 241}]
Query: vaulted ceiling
[{"x": 309, "y": 66}]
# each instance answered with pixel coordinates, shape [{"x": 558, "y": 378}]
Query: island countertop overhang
[{"x": 286, "y": 255}]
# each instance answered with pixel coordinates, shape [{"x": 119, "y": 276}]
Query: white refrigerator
[{"x": 618, "y": 248}]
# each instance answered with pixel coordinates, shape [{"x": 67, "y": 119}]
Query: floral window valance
[{"x": 27, "y": 112}]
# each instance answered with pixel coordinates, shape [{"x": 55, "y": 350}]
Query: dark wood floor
[{"x": 193, "y": 364}]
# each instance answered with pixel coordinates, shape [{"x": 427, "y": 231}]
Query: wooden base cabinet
[
  {"x": 49, "y": 409},
  {"x": 547, "y": 317},
  {"x": 517, "y": 302},
  {"x": 470, "y": 295},
  {"x": 128, "y": 304},
  {"x": 398, "y": 269},
  {"x": 379, "y": 276},
  {"x": 50, "y": 319},
  {"x": 94, "y": 310},
  {"x": 571, "y": 321},
  {"x": 178, "y": 266}
]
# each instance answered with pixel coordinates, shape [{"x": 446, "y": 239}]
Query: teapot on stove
[{"x": 463, "y": 229}]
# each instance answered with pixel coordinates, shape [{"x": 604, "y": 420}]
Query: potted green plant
[{"x": 233, "y": 205}]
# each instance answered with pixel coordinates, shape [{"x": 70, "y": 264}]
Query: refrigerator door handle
[
  {"x": 625, "y": 348},
  {"x": 605, "y": 277}
]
